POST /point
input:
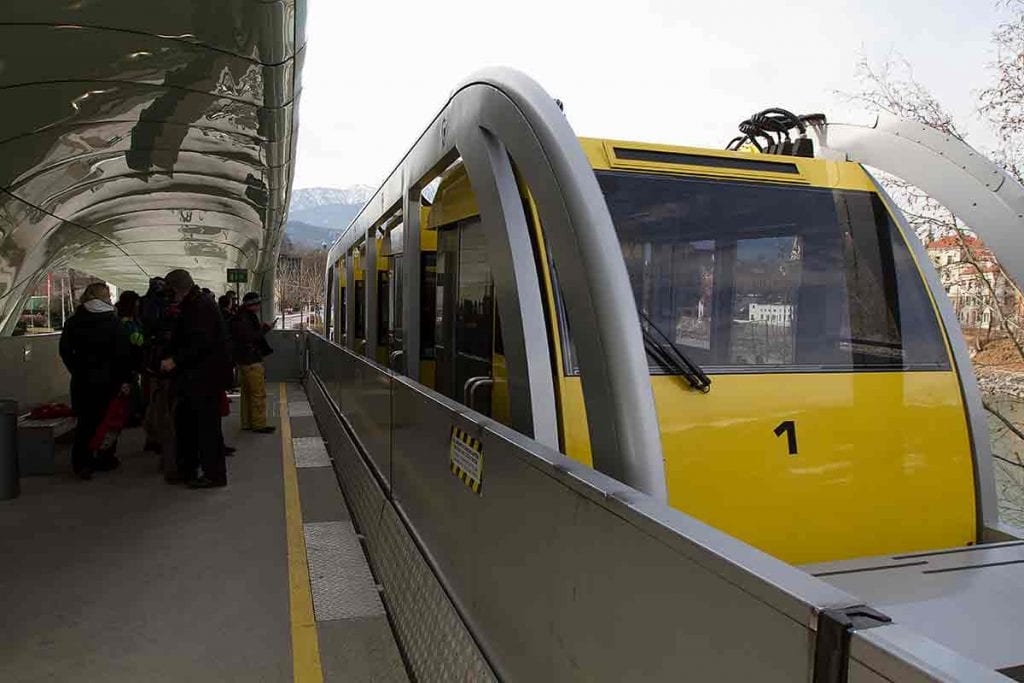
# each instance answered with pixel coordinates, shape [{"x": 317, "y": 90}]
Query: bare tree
[
  {"x": 1002, "y": 102},
  {"x": 285, "y": 283},
  {"x": 312, "y": 266},
  {"x": 300, "y": 280},
  {"x": 890, "y": 87}
]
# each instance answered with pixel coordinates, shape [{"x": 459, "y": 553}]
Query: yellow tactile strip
[{"x": 306, "y": 665}]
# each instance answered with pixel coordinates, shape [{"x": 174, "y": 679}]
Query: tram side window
[
  {"x": 464, "y": 312},
  {"x": 342, "y": 319},
  {"x": 428, "y": 304},
  {"x": 395, "y": 314},
  {"x": 475, "y": 311},
  {"x": 329, "y": 305},
  {"x": 383, "y": 306},
  {"x": 748, "y": 277},
  {"x": 360, "y": 330}
]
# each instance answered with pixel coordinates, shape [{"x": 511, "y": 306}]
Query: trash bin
[{"x": 9, "y": 486}]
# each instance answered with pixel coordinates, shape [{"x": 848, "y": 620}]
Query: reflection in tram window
[
  {"x": 753, "y": 277},
  {"x": 474, "y": 315},
  {"x": 766, "y": 274},
  {"x": 676, "y": 281},
  {"x": 464, "y": 314}
]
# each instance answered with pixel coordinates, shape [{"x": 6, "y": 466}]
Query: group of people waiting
[{"x": 169, "y": 357}]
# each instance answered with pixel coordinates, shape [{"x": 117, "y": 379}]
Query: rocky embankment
[{"x": 996, "y": 382}]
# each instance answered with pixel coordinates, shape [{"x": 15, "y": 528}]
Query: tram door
[{"x": 464, "y": 315}]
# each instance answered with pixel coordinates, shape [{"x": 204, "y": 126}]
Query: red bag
[
  {"x": 50, "y": 411},
  {"x": 113, "y": 422},
  {"x": 225, "y": 404}
]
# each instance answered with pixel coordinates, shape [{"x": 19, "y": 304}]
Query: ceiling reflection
[{"x": 141, "y": 137}]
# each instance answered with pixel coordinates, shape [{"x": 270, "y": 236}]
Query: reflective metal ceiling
[{"x": 137, "y": 136}]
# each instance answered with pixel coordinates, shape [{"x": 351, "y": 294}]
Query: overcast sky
[{"x": 674, "y": 71}]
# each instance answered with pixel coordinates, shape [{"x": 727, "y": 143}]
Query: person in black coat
[
  {"x": 199, "y": 360},
  {"x": 95, "y": 351}
]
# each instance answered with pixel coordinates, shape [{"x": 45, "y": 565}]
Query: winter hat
[{"x": 179, "y": 280}]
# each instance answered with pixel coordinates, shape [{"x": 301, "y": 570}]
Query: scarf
[{"x": 98, "y": 306}]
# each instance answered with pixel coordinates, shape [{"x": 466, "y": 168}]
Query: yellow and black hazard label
[{"x": 466, "y": 459}]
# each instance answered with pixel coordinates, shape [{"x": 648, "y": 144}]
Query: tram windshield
[{"x": 748, "y": 277}]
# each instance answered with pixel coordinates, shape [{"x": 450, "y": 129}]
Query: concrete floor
[{"x": 125, "y": 578}]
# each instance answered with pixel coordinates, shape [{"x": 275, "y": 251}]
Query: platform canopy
[{"x": 137, "y": 136}]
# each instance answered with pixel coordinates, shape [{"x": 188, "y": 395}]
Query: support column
[{"x": 266, "y": 291}]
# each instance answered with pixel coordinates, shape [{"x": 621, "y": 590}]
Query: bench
[{"x": 37, "y": 443}]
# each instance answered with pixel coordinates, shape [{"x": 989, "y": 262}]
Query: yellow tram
[{"x": 816, "y": 412}]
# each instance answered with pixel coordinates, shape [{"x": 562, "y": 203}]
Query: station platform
[{"x": 125, "y": 578}]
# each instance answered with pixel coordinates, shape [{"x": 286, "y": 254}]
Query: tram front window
[{"x": 748, "y": 277}]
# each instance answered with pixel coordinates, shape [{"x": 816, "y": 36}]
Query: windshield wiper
[{"x": 670, "y": 356}]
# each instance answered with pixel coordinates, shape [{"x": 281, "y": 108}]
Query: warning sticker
[{"x": 466, "y": 459}]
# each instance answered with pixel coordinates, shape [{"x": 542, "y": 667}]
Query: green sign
[{"x": 239, "y": 275}]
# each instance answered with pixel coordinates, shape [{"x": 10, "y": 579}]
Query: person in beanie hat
[
  {"x": 249, "y": 346},
  {"x": 199, "y": 362}
]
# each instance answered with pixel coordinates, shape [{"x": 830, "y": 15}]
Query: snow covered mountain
[
  {"x": 311, "y": 197},
  {"x": 318, "y": 214}
]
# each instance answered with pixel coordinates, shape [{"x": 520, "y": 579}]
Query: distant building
[
  {"x": 289, "y": 261},
  {"x": 973, "y": 300}
]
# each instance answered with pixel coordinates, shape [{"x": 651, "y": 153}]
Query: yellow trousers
[{"x": 254, "y": 396}]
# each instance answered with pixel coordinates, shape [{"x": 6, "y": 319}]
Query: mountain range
[{"x": 317, "y": 214}]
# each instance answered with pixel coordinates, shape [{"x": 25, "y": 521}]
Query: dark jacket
[
  {"x": 227, "y": 317},
  {"x": 151, "y": 310},
  {"x": 199, "y": 348},
  {"x": 248, "y": 338},
  {"x": 95, "y": 351}
]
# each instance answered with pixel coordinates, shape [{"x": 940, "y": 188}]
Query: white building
[
  {"x": 780, "y": 315},
  {"x": 974, "y": 290}
]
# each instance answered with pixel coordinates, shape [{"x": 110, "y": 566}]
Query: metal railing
[{"x": 558, "y": 572}]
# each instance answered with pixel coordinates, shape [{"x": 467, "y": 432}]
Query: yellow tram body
[{"x": 809, "y": 462}]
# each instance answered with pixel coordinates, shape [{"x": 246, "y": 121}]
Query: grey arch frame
[{"x": 495, "y": 116}]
